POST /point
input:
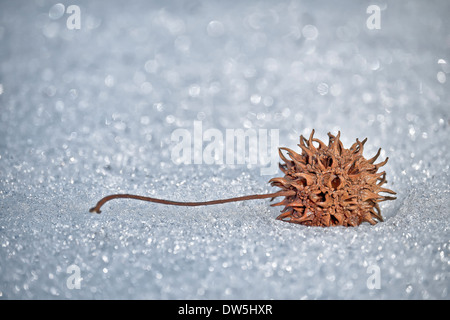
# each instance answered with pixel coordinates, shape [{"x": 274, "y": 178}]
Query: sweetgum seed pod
[{"x": 322, "y": 186}]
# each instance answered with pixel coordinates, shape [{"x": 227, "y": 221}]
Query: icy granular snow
[{"x": 89, "y": 112}]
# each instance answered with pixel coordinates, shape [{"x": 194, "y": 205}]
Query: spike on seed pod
[{"x": 322, "y": 186}]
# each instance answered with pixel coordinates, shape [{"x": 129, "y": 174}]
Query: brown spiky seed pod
[{"x": 333, "y": 186}]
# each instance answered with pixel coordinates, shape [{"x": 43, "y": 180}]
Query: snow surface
[{"x": 89, "y": 112}]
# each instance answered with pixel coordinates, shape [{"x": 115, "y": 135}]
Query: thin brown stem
[{"x": 188, "y": 204}]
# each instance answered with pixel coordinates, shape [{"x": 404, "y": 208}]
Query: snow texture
[{"x": 91, "y": 111}]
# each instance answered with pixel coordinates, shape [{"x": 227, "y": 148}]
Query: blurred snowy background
[{"x": 87, "y": 110}]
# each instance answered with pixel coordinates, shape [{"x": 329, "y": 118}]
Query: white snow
[{"x": 89, "y": 112}]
